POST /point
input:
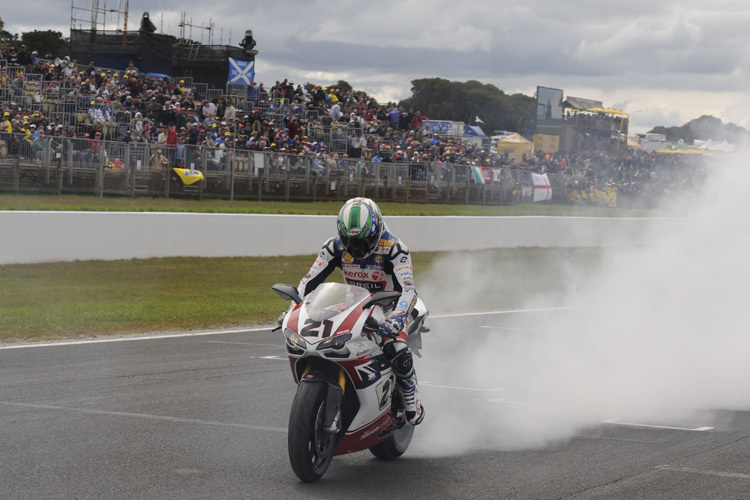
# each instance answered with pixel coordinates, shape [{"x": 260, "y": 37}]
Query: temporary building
[
  {"x": 515, "y": 145},
  {"x": 633, "y": 144}
]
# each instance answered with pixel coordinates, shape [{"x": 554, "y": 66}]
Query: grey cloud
[{"x": 639, "y": 47}]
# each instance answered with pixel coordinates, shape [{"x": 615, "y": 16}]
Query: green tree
[
  {"x": 48, "y": 43},
  {"x": 5, "y": 36},
  {"x": 704, "y": 128},
  {"x": 441, "y": 99},
  {"x": 343, "y": 86}
]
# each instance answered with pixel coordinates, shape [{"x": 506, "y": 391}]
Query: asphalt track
[{"x": 204, "y": 416}]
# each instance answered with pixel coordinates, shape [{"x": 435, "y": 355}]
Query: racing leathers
[{"x": 387, "y": 268}]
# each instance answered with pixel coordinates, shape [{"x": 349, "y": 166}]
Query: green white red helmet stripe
[{"x": 355, "y": 221}]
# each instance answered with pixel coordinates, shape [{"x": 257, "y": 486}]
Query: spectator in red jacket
[{"x": 171, "y": 143}]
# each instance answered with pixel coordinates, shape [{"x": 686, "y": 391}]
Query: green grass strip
[
  {"x": 148, "y": 204},
  {"x": 82, "y": 299}
]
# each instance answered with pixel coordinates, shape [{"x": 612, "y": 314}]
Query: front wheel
[
  {"x": 310, "y": 446},
  {"x": 394, "y": 446}
]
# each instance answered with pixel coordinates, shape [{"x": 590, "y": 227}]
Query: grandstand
[
  {"x": 155, "y": 53},
  {"x": 72, "y": 128}
]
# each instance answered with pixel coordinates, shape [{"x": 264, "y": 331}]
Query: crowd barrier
[{"x": 64, "y": 165}]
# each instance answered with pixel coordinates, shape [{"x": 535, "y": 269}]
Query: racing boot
[
  {"x": 399, "y": 354},
  {"x": 408, "y": 388}
]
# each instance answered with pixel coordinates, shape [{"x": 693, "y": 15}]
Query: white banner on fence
[
  {"x": 259, "y": 160},
  {"x": 542, "y": 187}
]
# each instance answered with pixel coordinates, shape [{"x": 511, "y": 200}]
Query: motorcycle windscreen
[{"x": 330, "y": 299}]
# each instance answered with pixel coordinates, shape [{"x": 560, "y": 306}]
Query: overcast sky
[{"x": 664, "y": 62}]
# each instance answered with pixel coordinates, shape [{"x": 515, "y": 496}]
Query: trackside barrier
[
  {"x": 30, "y": 237},
  {"x": 79, "y": 165}
]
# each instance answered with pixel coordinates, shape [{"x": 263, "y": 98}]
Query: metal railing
[{"x": 76, "y": 165}]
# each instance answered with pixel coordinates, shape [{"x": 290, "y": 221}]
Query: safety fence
[{"x": 75, "y": 165}]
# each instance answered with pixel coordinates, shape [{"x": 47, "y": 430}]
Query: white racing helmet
[{"x": 360, "y": 225}]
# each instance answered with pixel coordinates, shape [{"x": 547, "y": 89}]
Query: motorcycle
[{"x": 346, "y": 399}]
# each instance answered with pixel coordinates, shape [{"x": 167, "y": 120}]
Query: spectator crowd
[{"x": 45, "y": 102}]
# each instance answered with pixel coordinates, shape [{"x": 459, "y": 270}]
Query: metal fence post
[
  {"x": 132, "y": 181},
  {"x": 232, "y": 161},
  {"x": 59, "y": 175},
  {"x": 168, "y": 181},
  {"x": 17, "y": 175},
  {"x": 202, "y": 184}
]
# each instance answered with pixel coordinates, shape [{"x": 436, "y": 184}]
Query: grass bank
[
  {"x": 147, "y": 204},
  {"x": 81, "y": 299}
]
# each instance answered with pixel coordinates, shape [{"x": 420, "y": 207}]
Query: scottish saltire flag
[{"x": 241, "y": 71}]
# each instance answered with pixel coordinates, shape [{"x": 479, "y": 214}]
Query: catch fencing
[{"x": 77, "y": 165}]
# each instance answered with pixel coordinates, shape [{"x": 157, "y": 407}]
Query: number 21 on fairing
[{"x": 311, "y": 328}]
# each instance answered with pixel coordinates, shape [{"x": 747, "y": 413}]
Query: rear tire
[
  {"x": 310, "y": 446},
  {"x": 394, "y": 446}
]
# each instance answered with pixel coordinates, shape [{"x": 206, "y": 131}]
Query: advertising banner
[
  {"x": 445, "y": 127},
  {"x": 547, "y": 143}
]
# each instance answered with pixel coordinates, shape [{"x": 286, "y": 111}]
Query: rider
[{"x": 371, "y": 257}]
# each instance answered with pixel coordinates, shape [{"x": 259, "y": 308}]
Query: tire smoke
[{"x": 656, "y": 334}]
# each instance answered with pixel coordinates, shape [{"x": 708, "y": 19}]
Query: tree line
[
  {"x": 473, "y": 103},
  {"x": 48, "y": 43},
  {"x": 703, "y": 128}
]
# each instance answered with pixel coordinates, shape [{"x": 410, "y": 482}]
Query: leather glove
[
  {"x": 281, "y": 317},
  {"x": 389, "y": 328}
]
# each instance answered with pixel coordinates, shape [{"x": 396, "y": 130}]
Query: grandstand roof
[{"x": 580, "y": 103}]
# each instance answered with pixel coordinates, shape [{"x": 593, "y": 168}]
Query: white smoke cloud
[{"x": 669, "y": 338}]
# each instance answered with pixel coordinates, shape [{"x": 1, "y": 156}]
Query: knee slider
[{"x": 399, "y": 355}]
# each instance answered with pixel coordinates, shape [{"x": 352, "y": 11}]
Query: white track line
[
  {"x": 129, "y": 338},
  {"x": 488, "y": 327},
  {"x": 704, "y": 472},
  {"x": 511, "y": 311},
  {"x": 145, "y": 416},
  {"x": 134, "y": 337},
  {"x": 617, "y": 422},
  {"x": 243, "y": 343},
  {"x": 504, "y": 401},
  {"x": 427, "y": 384}
]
